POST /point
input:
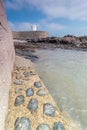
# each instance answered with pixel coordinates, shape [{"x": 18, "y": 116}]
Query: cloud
[{"x": 71, "y": 9}]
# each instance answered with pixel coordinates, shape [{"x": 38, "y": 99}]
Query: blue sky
[{"x": 58, "y": 17}]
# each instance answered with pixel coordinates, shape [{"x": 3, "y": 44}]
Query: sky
[{"x": 58, "y": 17}]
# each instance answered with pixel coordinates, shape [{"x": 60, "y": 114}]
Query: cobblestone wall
[{"x": 30, "y": 35}]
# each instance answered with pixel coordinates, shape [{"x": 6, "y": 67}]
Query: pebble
[
  {"x": 19, "y": 100},
  {"x": 26, "y": 73},
  {"x": 49, "y": 109},
  {"x": 33, "y": 105},
  {"x": 24, "y": 68},
  {"x": 43, "y": 127},
  {"x": 18, "y": 89},
  {"x": 22, "y": 123},
  {"x": 37, "y": 84},
  {"x": 29, "y": 92},
  {"x": 17, "y": 72},
  {"x": 58, "y": 126},
  {"x": 18, "y": 77},
  {"x": 41, "y": 92},
  {"x": 18, "y": 82}
]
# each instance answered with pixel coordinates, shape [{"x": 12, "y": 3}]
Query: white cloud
[{"x": 71, "y": 9}]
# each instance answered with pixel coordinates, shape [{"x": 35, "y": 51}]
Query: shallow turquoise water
[{"x": 64, "y": 72}]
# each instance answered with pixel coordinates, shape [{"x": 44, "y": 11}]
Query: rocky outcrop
[
  {"x": 6, "y": 63},
  {"x": 67, "y": 42}
]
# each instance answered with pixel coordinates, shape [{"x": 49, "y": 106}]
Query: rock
[
  {"x": 19, "y": 100},
  {"x": 22, "y": 123},
  {"x": 58, "y": 126},
  {"x": 17, "y": 72},
  {"x": 49, "y": 109},
  {"x": 18, "y": 77},
  {"x": 18, "y": 89},
  {"x": 37, "y": 84},
  {"x": 43, "y": 127},
  {"x": 29, "y": 92},
  {"x": 41, "y": 93},
  {"x": 33, "y": 105},
  {"x": 18, "y": 82},
  {"x": 24, "y": 68},
  {"x": 26, "y": 73}
]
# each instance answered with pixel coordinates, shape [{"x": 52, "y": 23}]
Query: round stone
[
  {"x": 18, "y": 82},
  {"x": 43, "y": 127},
  {"x": 49, "y": 109},
  {"x": 26, "y": 73},
  {"x": 18, "y": 77},
  {"x": 41, "y": 93},
  {"x": 22, "y": 123},
  {"x": 19, "y": 100},
  {"x": 29, "y": 92},
  {"x": 37, "y": 84},
  {"x": 33, "y": 105},
  {"x": 18, "y": 89},
  {"x": 58, "y": 126}
]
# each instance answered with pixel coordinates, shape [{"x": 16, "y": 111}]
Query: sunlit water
[{"x": 64, "y": 72}]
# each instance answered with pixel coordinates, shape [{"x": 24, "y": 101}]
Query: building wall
[
  {"x": 23, "y": 35},
  {"x": 7, "y": 57}
]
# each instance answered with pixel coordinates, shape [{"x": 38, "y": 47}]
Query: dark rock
[
  {"x": 58, "y": 126},
  {"x": 49, "y": 109},
  {"x": 43, "y": 127},
  {"x": 37, "y": 84},
  {"x": 33, "y": 105},
  {"x": 18, "y": 82},
  {"x": 26, "y": 73},
  {"x": 19, "y": 100},
  {"x": 22, "y": 123},
  {"x": 41, "y": 93},
  {"x": 29, "y": 92}
]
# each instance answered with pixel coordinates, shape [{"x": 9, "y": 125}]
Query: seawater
[{"x": 64, "y": 72}]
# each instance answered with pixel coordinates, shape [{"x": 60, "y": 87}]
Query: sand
[{"x": 36, "y": 117}]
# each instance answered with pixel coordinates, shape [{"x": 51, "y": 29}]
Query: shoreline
[
  {"x": 19, "y": 111},
  {"x": 27, "y": 48}
]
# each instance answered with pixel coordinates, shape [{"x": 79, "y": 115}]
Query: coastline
[
  {"x": 27, "y": 47},
  {"x": 14, "y": 112}
]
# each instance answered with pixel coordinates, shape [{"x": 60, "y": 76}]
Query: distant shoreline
[{"x": 26, "y": 48}]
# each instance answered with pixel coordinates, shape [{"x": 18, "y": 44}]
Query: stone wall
[
  {"x": 7, "y": 57},
  {"x": 23, "y": 35}
]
